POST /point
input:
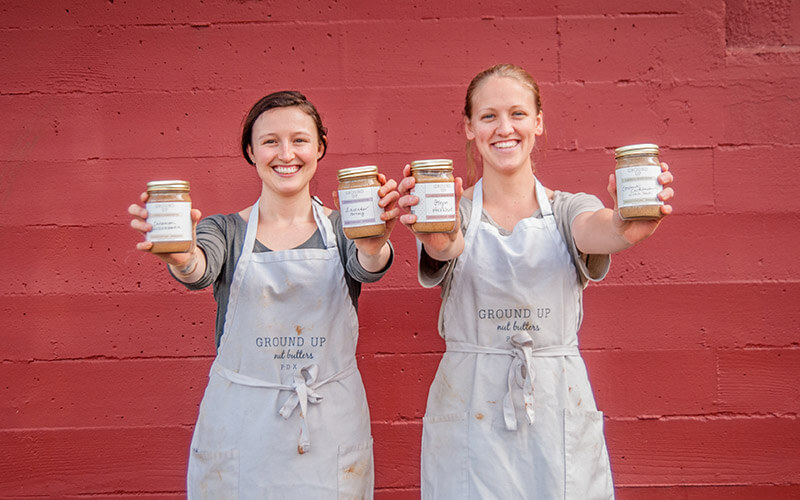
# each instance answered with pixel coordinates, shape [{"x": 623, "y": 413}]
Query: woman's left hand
[
  {"x": 634, "y": 231},
  {"x": 370, "y": 249}
]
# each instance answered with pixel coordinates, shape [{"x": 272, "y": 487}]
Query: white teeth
[
  {"x": 505, "y": 144},
  {"x": 286, "y": 170}
]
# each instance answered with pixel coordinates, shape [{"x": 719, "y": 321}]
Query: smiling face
[
  {"x": 504, "y": 123},
  {"x": 285, "y": 147}
]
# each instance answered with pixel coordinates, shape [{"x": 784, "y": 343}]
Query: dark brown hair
[
  {"x": 500, "y": 70},
  {"x": 281, "y": 99}
]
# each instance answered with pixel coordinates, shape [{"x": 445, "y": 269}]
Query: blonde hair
[{"x": 500, "y": 70}]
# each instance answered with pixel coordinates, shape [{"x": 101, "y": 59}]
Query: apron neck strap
[
  {"x": 541, "y": 198},
  {"x": 250, "y": 234}
]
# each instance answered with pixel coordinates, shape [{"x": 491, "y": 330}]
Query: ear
[
  {"x": 539, "y": 124},
  {"x": 250, "y": 154},
  {"x": 321, "y": 147},
  {"x": 468, "y": 129}
]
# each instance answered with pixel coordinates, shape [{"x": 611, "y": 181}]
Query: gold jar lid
[
  {"x": 168, "y": 186},
  {"x": 441, "y": 164},
  {"x": 636, "y": 149},
  {"x": 352, "y": 172}
]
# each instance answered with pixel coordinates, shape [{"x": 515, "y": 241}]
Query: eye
[
  {"x": 269, "y": 141},
  {"x": 487, "y": 116},
  {"x": 520, "y": 113},
  {"x": 301, "y": 140}
]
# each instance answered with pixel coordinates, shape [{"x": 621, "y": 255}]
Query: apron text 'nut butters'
[
  {"x": 637, "y": 171},
  {"x": 169, "y": 212},
  {"x": 435, "y": 187},
  {"x": 358, "y": 202}
]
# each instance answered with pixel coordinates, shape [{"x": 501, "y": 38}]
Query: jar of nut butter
[
  {"x": 358, "y": 202},
  {"x": 169, "y": 212},
  {"x": 637, "y": 171},
  {"x": 435, "y": 187}
]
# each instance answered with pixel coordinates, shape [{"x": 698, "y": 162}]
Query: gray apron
[
  {"x": 285, "y": 414},
  {"x": 510, "y": 413}
]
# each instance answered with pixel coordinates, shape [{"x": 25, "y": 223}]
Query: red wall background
[{"x": 691, "y": 342}]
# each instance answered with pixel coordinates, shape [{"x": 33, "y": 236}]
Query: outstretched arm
[{"x": 604, "y": 232}]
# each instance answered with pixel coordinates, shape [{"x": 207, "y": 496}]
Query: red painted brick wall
[{"x": 692, "y": 341}]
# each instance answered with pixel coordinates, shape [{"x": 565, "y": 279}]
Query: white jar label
[
  {"x": 359, "y": 207},
  {"x": 638, "y": 186},
  {"x": 171, "y": 221},
  {"x": 437, "y": 201}
]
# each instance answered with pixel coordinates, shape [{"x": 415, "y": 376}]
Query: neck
[
  {"x": 285, "y": 209},
  {"x": 514, "y": 188}
]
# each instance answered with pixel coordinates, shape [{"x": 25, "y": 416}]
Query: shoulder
[
  {"x": 581, "y": 201},
  {"x": 567, "y": 206},
  {"x": 220, "y": 228},
  {"x": 468, "y": 193},
  {"x": 335, "y": 217},
  {"x": 223, "y": 222}
]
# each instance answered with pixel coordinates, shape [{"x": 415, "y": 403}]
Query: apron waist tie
[
  {"x": 520, "y": 371},
  {"x": 303, "y": 390}
]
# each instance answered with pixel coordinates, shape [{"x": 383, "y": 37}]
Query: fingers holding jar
[
  {"x": 139, "y": 222},
  {"x": 407, "y": 199},
  {"x": 388, "y": 200}
]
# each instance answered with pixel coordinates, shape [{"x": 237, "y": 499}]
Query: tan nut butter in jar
[
  {"x": 435, "y": 187},
  {"x": 637, "y": 171},
  {"x": 358, "y": 202},
  {"x": 168, "y": 211}
]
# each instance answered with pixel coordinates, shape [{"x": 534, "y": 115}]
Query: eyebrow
[{"x": 293, "y": 134}]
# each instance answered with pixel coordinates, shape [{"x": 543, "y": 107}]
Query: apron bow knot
[
  {"x": 302, "y": 393},
  {"x": 521, "y": 375}
]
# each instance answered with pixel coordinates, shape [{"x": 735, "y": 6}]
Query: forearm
[{"x": 599, "y": 232}]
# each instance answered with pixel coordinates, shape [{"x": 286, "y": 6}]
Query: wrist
[
  {"x": 369, "y": 253},
  {"x": 189, "y": 267}
]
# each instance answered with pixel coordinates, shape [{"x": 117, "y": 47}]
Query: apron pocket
[
  {"x": 445, "y": 472},
  {"x": 213, "y": 474},
  {"x": 356, "y": 472},
  {"x": 588, "y": 472}
]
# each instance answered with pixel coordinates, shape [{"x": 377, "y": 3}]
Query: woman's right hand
[
  {"x": 179, "y": 260},
  {"x": 440, "y": 246}
]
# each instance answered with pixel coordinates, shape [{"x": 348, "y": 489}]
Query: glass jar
[
  {"x": 169, "y": 212},
  {"x": 435, "y": 187},
  {"x": 358, "y": 202},
  {"x": 637, "y": 171}
]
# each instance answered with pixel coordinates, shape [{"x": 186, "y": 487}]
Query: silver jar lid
[
  {"x": 636, "y": 149},
  {"x": 441, "y": 164},
  {"x": 168, "y": 186},
  {"x": 349, "y": 173}
]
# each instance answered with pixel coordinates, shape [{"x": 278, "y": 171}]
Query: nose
[
  {"x": 504, "y": 126},
  {"x": 286, "y": 152}
]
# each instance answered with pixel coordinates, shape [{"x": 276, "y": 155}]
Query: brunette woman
[{"x": 284, "y": 414}]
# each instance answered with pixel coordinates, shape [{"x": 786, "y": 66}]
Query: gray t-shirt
[
  {"x": 566, "y": 206},
  {"x": 221, "y": 238}
]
